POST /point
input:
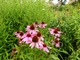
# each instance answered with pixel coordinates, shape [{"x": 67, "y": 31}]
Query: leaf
[
  {"x": 64, "y": 52},
  {"x": 54, "y": 57}
]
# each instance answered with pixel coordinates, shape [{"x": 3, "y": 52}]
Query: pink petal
[
  {"x": 52, "y": 32},
  {"x": 42, "y": 38},
  {"x": 27, "y": 28},
  {"x": 23, "y": 36},
  {"x": 58, "y": 35},
  {"x": 33, "y": 32},
  {"x": 40, "y": 43},
  {"x": 32, "y": 45},
  {"x": 46, "y": 49},
  {"x": 59, "y": 32},
  {"x": 40, "y": 47},
  {"x": 18, "y": 36},
  {"x": 45, "y": 25},
  {"x": 16, "y": 33},
  {"x": 29, "y": 40},
  {"x": 37, "y": 46},
  {"x": 35, "y": 24},
  {"x": 24, "y": 40},
  {"x": 58, "y": 44}
]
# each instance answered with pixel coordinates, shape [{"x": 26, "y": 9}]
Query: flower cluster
[
  {"x": 33, "y": 36},
  {"x": 56, "y": 33}
]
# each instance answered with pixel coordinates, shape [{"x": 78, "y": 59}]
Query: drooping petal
[
  {"x": 46, "y": 49},
  {"x": 36, "y": 45},
  {"x": 32, "y": 45},
  {"x": 42, "y": 38},
  {"x": 28, "y": 28},
  {"x": 58, "y": 44}
]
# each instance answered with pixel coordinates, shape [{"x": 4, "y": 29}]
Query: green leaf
[
  {"x": 64, "y": 52},
  {"x": 54, "y": 57}
]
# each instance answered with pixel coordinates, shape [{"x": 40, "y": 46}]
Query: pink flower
[
  {"x": 27, "y": 38},
  {"x": 51, "y": 30},
  {"x": 36, "y": 42},
  {"x": 42, "y": 25},
  {"x": 35, "y": 24},
  {"x": 56, "y": 42},
  {"x": 45, "y": 48},
  {"x": 55, "y": 31},
  {"x": 58, "y": 34},
  {"x": 40, "y": 36},
  {"x": 32, "y": 29},
  {"x": 19, "y": 34}
]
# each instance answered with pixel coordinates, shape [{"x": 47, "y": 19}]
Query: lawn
[{"x": 17, "y": 15}]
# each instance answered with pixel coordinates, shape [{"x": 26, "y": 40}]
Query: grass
[{"x": 15, "y": 15}]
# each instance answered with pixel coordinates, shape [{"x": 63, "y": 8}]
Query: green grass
[{"x": 16, "y": 16}]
